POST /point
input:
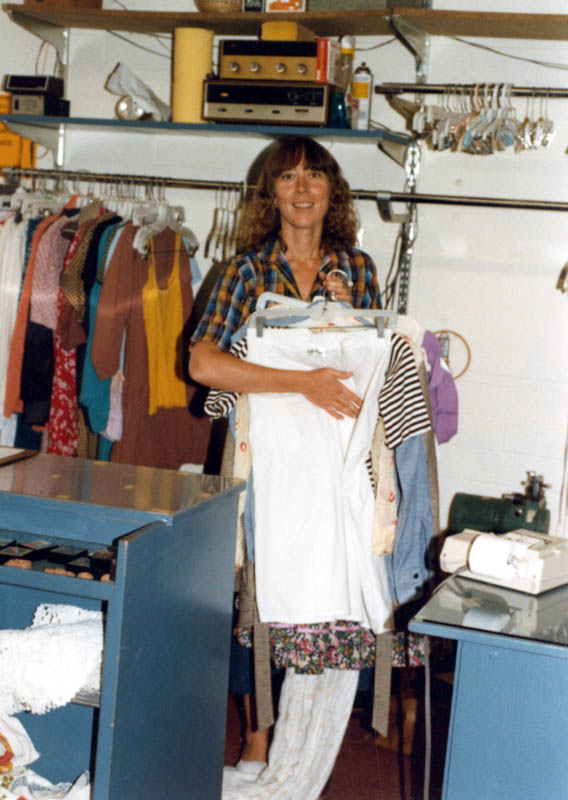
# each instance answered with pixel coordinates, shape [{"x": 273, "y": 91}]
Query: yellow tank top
[{"x": 163, "y": 322}]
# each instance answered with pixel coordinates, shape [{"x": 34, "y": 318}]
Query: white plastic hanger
[
  {"x": 164, "y": 216},
  {"x": 333, "y": 315}
]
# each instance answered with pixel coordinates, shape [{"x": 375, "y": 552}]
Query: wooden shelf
[
  {"x": 324, "y": 23},
  {"x": 490, "y": 25},
  {"x": 372, "y": 22}
]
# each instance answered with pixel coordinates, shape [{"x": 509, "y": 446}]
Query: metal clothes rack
[
  {"x": 384, "y": 198},
  {"x": 550, "y": 92},
  {"x": 13, "y": 175}
]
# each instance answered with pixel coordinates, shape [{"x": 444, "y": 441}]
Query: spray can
[
  {"x": 345, "y": 67},
  {"x": 362, "y": 92}
]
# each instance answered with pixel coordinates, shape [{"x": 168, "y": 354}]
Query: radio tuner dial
[
  {"x": 234, "y": 66},
  {"x": 254, "y": 66},
  {"x": 301, "y": 68},
  {"x": 280, "y": 67}
]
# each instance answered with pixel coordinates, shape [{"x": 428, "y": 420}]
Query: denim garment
[{"x": 408, "y": 567}]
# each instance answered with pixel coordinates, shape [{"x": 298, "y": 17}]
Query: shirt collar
[{"x": 272, "y": 252}]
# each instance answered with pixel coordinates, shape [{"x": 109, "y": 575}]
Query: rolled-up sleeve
[{"x": 226, "y": 310}]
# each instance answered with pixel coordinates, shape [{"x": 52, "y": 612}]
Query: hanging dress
[
  {"x": 170, "y": 436},
  {"x": 163, "y": 319}
]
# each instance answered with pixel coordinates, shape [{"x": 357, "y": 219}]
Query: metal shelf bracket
[
  {"x": 415, "y": 40},
  {"x": 52, "y": 137},
  {"x": 394, "y": 150},
  {"x": 384, "y": 203},
  {"x": 50, "y": 33}
]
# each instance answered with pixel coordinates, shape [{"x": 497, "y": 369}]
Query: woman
[{"x": 301, "y": 226}]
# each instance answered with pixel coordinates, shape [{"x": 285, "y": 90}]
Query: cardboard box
[
  {"x": 327, "y": 56},
  {"x": 285, "y": 31},
  {"x": 15, "y": 151},
  {"x": 285, "y": 5}
]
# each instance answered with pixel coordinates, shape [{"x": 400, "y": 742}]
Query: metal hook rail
[
  {"x": 384, "y": 198},
  {"x": 550, "y": 92}
]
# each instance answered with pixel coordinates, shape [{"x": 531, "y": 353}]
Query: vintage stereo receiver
[
  {"x": 269, "y": 102},
  {"x": 33, "y": 84},
  {"x": 40, "y": 95},
  {"x": 41, "y": 105},
  {"x": 259, "y": 59}
]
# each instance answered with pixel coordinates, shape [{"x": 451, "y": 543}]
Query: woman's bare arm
[{"x": 323, "y": 387}]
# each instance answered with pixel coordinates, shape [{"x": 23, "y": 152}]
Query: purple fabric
[{"x": 443, "y": 393}]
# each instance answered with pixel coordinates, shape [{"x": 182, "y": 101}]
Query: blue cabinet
[
  {"x": 159, "y": 725},
  {"x": 509, "y": 717}
]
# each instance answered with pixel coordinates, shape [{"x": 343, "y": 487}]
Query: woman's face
[{"x": 302, "y": 197}]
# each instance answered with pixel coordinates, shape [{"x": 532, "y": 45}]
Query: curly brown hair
[{"x": 262, "y": 220}]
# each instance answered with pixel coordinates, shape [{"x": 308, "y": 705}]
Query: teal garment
[
  {"x": 104, "y": 448},
  {"x": 94, "y": 395}
]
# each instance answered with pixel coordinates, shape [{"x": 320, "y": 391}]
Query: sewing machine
[{"x": 524, "y": 560}]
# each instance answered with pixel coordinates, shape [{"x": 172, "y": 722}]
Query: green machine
[{"x": 502, "y": 514}]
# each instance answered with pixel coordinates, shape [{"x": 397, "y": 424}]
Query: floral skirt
[{"x": 310, "y": 649}]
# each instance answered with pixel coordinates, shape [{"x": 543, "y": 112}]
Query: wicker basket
[{"x": 219, "y": 6}]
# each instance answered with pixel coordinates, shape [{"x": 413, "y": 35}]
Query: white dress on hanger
[{"x": 314, "y": 503}]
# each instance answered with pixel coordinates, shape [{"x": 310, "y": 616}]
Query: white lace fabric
[
  {"x": 25, "y": 784},
  {"x": 44, "y": 665},
  {"x": 312, "y": 717}
]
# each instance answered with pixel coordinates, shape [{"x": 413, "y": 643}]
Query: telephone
[{"x": 523, "y": 560}]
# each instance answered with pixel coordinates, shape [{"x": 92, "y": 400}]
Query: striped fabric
[
  {"x": 401, "y": 402},
  {"x": 220, "y": 402}
]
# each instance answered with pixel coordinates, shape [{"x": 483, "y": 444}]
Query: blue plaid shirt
[{"x": 250, "y": 274}]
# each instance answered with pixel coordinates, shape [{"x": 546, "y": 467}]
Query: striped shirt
[
  {"x": 402, "y": 405},
  {"x": 250, "y": 274}
]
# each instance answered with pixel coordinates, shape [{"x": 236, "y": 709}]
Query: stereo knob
[
  {"x": 234, "y": 66},
  {"x": 293, "y": 96},
  {"x": 280, "y": 67},
  {"x": 301, "y": 68},
  {"x": 254, "y": 66}
]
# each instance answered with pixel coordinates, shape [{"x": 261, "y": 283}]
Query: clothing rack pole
[
  {"x": 13, "y": 174},
  {"x": 551, "y": 92},
  {"x": 459, "y": 200}
]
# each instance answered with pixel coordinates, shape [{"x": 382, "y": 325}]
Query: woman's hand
[
  {"x": 324, "y": 388},
  {"x": 336, "y": 287}
]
